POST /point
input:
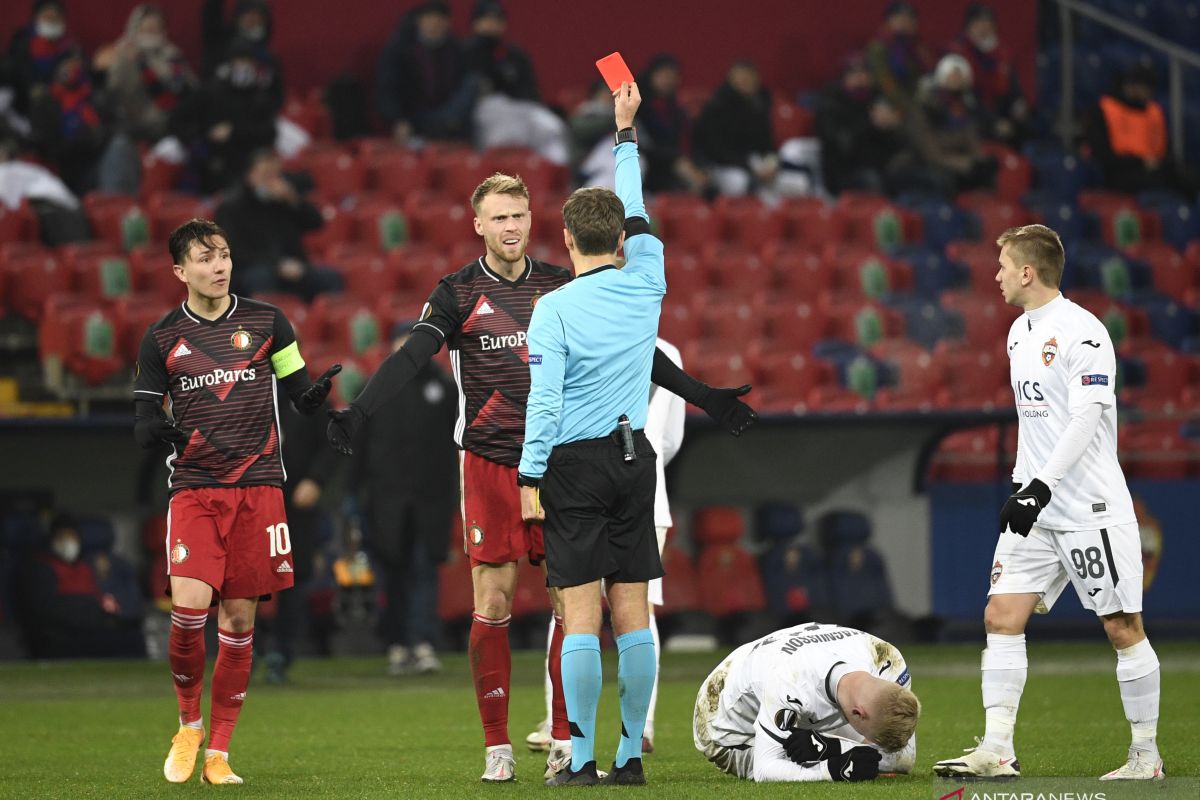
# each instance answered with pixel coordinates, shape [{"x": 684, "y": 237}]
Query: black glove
[
  {"x": 343, "y": 427},
  {"x": 314, "y": 396},
  {"x": 149, "y": 431},
  {"x": 1021, "y": 510},
  {"x": 856, "y": 764},
  {"x": 730, "y": 413},
  {"x": 805, "y": 747}
]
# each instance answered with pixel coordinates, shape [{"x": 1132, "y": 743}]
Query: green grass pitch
[{"x": 343, "y": 729}]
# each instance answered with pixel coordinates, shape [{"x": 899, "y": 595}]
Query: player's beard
[{"x": 502, "y": 253}]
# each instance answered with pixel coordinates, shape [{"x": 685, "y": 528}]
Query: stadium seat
[
  {"x": 348, "y": 324},
  {"x": 1014, "y": 174},
  {"x": 974, "y": 378},
  {"x": 309, "y": 112},
  {"x": 809, "y": 221},
  {"x": 31, "y": 278},
  {"x": 713, "y": 525},
  {"x": 540, "y": 175},
  {"x": 367, "y": 277},
  {"x": 397, "y": 172},
  {"x": 19, "y": 225},
  {"x": 796, "y": 272},
  {"x": 1121, "y": 222},
  {"x": 1172, "y": 274},
  {"x": 459, "y": 174},
  {"x": 116, "y": 219},
  {"x": 732, "y": 584},
  {"x": 733, "y": 322},
  {"x": 1164, "y": 375},
  {"x": 440, "y": 223},
  {"x": 102, "y": 275},
  {"x": 913, "y": 376},
  {"x": 857, "y": 574},
  {"x": 970, "y": 456},
  {"x": 717, "y": 362},
  {"x": 868, "y": 219},
  {"x": 153, "y": 272},
  {"x": 981, "y": 262},
  {"x": 419, "y": 266},
  {"x": 836, "y": 400},
  {"x": 687, "y": 222},
  {"x": 1169, "y": 321},
  {"x": 796, "y": 325},
  {"x": 159, "y": 175},
  {"x": 337, "y": 228},
  {"x": 169, "y": 210},
  {"x": 927, "y": 271},
  {"x": 785, "y": 377},
  {"x": 748, "y": 222},
  {"x": 678, "y": 324},
  {"x": 994, "y": 213},
  {"x": 82, "y": 337},
  {"x": 1157, "y": 453},
  {"x": 985, "y": 321},
  {"x": 683, "y": 591},
  {"x": 337, "y": 173},
  {"x": 789, "y": 121},
  {"x": 381, "y": 223},
  {"x": 733, "y": 266},
  {"x": 134, "y": 314},
  {"x": 399, "y": 306}
]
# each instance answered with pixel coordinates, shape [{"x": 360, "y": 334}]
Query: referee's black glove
[
  {"x": 730, "y": 413},
  {"x": 805, "y": 747},
  {"x": 149, "y": 431},
  {"x": 856, "y": 764},
  {"x": 1021, "y": 510},
  {"x": 314, "y": 396},
  {"x": 343, "y": 428}
]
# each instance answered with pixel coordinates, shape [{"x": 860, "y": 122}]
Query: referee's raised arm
[{"x": 643, "y": 250}]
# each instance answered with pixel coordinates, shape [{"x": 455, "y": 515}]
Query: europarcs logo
[{"x": 217, "y": 377}]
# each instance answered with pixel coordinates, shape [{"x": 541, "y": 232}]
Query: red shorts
[
  {"x": 493, "y": 531},
  {"x": 234, "y": 539}
]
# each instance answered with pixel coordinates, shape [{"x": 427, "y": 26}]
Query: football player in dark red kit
[
  {"x": 217, "y": 360},
  {"x": 482, "y": 312}
]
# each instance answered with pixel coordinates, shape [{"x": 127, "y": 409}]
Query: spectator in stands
[
  {"x": 898, "y": 58},
  {"x": 509, "y": 112},
  {"x": 37, "y": 49},
  {"x": 231, "y": 116},
  {"x": 248, "y": 28},
  {"x": 733, "y": 134},
  {"x": 65, "y": 609},
  {"x": 944, "y": 127},
  {"x": 408, "y": 511},
  {"x": 591, "y": 138},
  {"x": 60, "y": 218},
  {"x": 266, "y": 218},
  {"x": 422, "y": 84},
  {"x": 664, "y": 130},
  {"x": 995, "y": 77},
  {"x": 1128, "y": 137},
  {"x": 862, "y": 134},
  {"x": 146, "y": 77},
  {"x": 67, "y": 128}
]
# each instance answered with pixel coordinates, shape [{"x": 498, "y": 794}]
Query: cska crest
[{"x": 1049, "y": 351}]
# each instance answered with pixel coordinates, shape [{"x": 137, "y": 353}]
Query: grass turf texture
[{"x": 343, "y": 729}]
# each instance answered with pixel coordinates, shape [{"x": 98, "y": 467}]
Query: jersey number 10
[{"x": 280, "y": 539}]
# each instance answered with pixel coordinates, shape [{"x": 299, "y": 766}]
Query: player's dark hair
[
  {"x": 594, "y": 216},
  {"x": 194, "y": 230},
  {"x": 1039, "y": 247}
]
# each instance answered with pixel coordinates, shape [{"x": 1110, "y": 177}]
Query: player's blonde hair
[
  {"x": 895, "y": 717},
  {"x": 1039, "y": 247},
  {"x": 499, "y": 183}
]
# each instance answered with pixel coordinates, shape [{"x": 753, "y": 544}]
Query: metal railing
[{"x": 1177, "y": 56}]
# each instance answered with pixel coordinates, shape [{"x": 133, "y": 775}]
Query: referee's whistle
[{"x": 626, "y": 433}]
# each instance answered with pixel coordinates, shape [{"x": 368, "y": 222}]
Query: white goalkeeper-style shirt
[
  {"x": 1061, "y": 359},
  {"x": 787, "y": 681}
]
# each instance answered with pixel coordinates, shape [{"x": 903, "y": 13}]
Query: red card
[{"x": 614, "y": 70}]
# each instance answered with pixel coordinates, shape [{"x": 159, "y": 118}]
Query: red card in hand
[{"x": 614, "y": 70}]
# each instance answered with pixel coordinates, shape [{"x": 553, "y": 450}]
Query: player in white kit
[
  {"x": 1071, "y": 520},
  {"x": 810, "y": 703}
]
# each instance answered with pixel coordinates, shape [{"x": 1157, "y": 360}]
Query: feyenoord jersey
[
  {"x": 219, "y": 376},
  {"x": 782, "y": 682},
  {"x": 484, "y": 318},
  {"x": 1061, "y": 359}
]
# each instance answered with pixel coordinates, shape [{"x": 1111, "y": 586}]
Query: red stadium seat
[
  {"x": 790, "y": 375},
  {"x": 918, "y": 374},
  {"x": 748, "y": 222},
  {"x": 338, "y": 227},
  {"x": 1157, "y": 452},
  {"x": 796, "y": 325},
  {"x": 836, "y": 400},
  {"x": 713, "y": 525},
  {"x": 31, "y": 278},
  {"x": 459, "y": 173},
  {"x": 116, "y": 219},
  {"x": 733, "y": 322},
  {"x": 348, "y": 324},
  {"x": 153, "y": 272},
  {"x": 19, "y": 225},
  {"x": 995, "y": 213},
  {"x": 1121, "y": 221},
  {"x": 1172, "y": 273},
  {"x": 869, "y": 219},
  {"x": 731, "y": 581},
  {"x": 790, "y": 121},
  {"x": 678, "y": 324},
  {"x": 1015, "y": 174},
  {"x": 399, "y": 306},
  {"x": 985, "y": 320},
  {"x": 981, "y": 260},
  {"x": 969, "y": 456},
  {"x": 309, "y": 112},
  {"x": 381, "y": 223},
  {"x": 686, "y": 221},
  {"x": 809, "y": 221},
  {"x": 682, "y": 591},
  {"x": 169, "y": 210},
  {"x": 540, "y": 175},
  {"x": 106, "y": 275},
  {"x": 718, "y": 362},
  {"x": 337, "y": 173},
  {"x": 732, "y": 265},
  {"x": 82, "y": 337},
  {"x": 419, "y": 267},
  {"x": 456, "y": 594},
  {"x": 134, "y": 314},
  {"x": 397, "y": 173},
  {"x": 974, "y": 378},
  {"x": 796, "y": 272},
  {"x": 367, "y": 277},
  {"x": 686, "y": 276},
  {"x": 443, "y": 223},
  {"x": 158, "y": 175}
]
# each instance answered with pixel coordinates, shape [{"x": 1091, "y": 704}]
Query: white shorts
[
  {"x": 654, "y": 590},
  {"x": 1105, "y": 566},
  {"x": 737, "y": 761}
]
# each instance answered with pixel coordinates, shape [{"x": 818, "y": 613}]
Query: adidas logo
[
  {"x": 284, "y": 567},
  {"x": 181, "y": 678},
  {"x": 484, "y": 308},
  {"x": 182, "y": 350},
  {"x": 495, "y": 694},
  {"x": 239, "y": 697}
]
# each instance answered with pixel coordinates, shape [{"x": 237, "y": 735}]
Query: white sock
[
  {"x": 197, "y": 723},
  {"x": 648, "y": 731},
  {"x": 211, "y": 752},
  {"x": 1139, "y": 677},
  {"x": 548, "y": 686},
  {"x": 1004, "y": 665}
]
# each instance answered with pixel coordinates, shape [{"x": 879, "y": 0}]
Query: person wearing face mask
[
  {"x": 266, "y": 218},
  {"x": 944, "y": 129},
  {"x": 66, "y": 610},
  {"x": 146, "y": 77},
  {"x": 996, "y": 86},
  {"x": 67, "y": 126},
  {"x": 249, "y": 25},
  {"x": 37, "y": 49},
  {"x": 898, "y": 58},
  {"x": 666, "y": 130}
]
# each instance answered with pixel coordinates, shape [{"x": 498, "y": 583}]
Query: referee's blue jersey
[{"x": 591, "y": 342}]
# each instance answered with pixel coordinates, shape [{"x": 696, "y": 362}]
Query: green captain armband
[{"x": 287, "y": 360}]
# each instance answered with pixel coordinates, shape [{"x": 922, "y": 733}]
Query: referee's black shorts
[{"x": 600, "y": 513}]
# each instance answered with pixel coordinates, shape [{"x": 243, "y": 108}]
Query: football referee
[{"x": 586, "y": 461}]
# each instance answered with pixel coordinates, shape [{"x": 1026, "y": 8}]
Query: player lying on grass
[{"x": 810, "y": 703}]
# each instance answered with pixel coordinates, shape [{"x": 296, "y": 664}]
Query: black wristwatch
[
  {"x": 627, "y": 135},
  {"x": 525, "y": 480}
]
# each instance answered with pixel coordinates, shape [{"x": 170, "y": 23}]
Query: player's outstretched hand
[
  {"x": 1022, "y": 509},
  {"x": 626, "y": 101},
  {"x": 731, "y": 413},
  {"x": 314, "y": 396},
  {"x": 856, "y": 764},
  {"x": 149, "y": 431},
  {"x": 343, "y": 427},
  {"x": 805, "y": 747}
]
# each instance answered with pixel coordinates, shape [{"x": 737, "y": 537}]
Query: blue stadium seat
[
  {"x": 932, "y": 272},
  {"x": 927, "y": 322},
  {"x": 1170, "y": 322},
  {"x": 857, "y": 573}
]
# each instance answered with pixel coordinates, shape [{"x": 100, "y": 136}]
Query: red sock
[
  {"x": 185, "y": 649},
  {"x": 231, "y": 676},
  {"x": 559, "y": 727},
  {"x": 491, "y": 667}
]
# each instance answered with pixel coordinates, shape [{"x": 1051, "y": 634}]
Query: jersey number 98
[
  {"x": 280, "y": 539},
  {"x": 1087, "y": 562}
]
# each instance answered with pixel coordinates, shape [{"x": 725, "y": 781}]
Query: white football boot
[{"x": 1141, "y": 766}]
